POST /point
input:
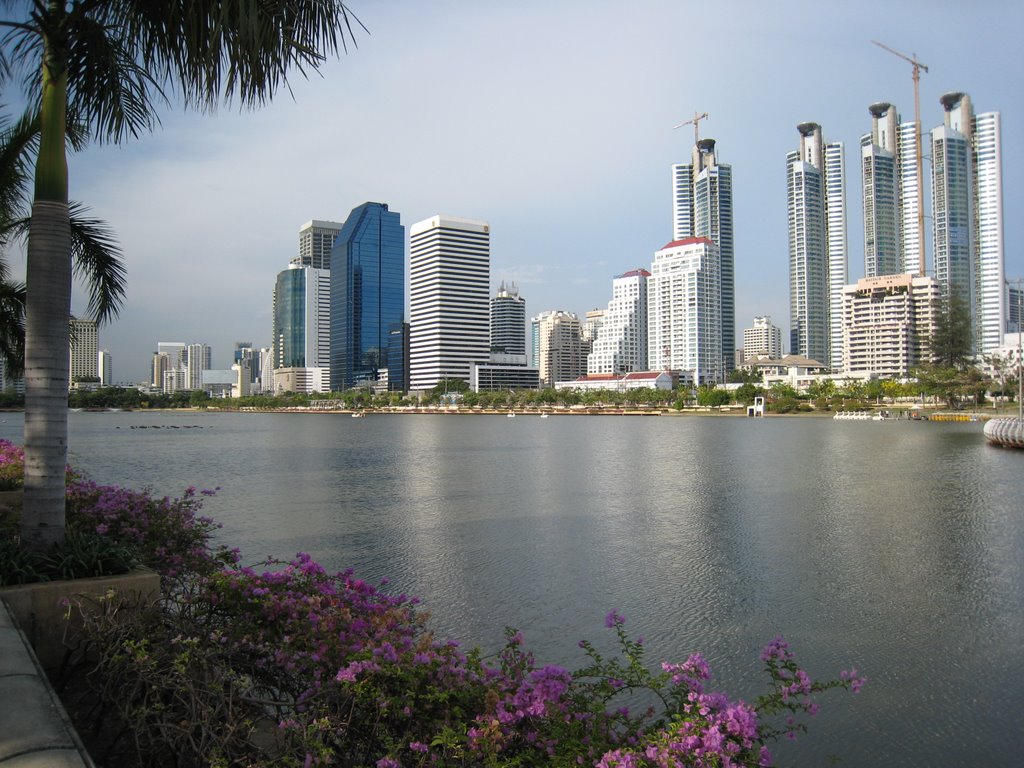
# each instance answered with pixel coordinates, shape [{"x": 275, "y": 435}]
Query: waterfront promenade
[{"x": 34, "y": 729}]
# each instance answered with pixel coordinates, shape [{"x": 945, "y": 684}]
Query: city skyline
[{"x": 563, "y": 148}]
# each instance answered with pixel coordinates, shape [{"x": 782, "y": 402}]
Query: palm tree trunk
[{"x": 47, "y": 321}]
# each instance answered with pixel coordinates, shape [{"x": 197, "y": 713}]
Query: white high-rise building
[
  {"x": 702, "y": 207},
  {"x": 105, "y": 369},
  {"x": 559, "y": 349},
  {"x": 620, "y": 345},
  {"x": 198, "y": 358},
  {"x": 449, "y": 305},
  {"x": 84, "y": 350},
  {"x": 683, "y": 310},
  {"x": 764, "y": 339},
  {"x": 815, "y": 180},
  {"x": 991, "y": 315},
  {"x": 967, "y": 206},
  {"x": 316, "y": 238}
]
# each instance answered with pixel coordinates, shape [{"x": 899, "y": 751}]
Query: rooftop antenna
[
  {"x": 917, "y": 68},
  {"x": 695, "y": 122}
]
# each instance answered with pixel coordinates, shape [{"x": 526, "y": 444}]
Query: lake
[{"x": 895, "y": 547}]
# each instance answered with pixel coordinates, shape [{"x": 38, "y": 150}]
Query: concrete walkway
[{"x": 34, "y": 729}]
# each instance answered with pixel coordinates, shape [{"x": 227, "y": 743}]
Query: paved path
[{"x": 34, "y": 729}]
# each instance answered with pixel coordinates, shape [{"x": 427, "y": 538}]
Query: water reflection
[{"x": 897, "y": 547}]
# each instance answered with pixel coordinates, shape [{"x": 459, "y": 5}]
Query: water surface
[{"x": 897, "y": 548}]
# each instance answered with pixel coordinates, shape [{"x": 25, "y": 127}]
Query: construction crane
[
  {"x": 695, "y": 122},
  {"x": 917, "y": 68}
]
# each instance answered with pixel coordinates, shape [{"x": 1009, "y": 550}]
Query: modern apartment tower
[
  {"x": 559, "y": 347},
  {"x": 449, "y": 302},
  {"x": 620, "y": 345},
  {"x": 889, "y": 187},
  {"x": 815, "y": 180},
  {"x": 508, "y": 321},
  {"x": 702, "y": 207},
  {"x": 368, "y": 299},
  {"x": 684, "y": 311},
  {"x": 316, "y": 238},
  {"x": 967, "y": 206},
  {"x": 198, "y": 358}
]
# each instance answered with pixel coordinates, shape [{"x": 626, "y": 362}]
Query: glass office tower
[{"x": 367, "y": 298}]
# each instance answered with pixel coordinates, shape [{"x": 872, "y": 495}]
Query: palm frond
[
  {"x": 108, "y": 89},
  {"x": 17, "y": 145},
  {"x": 235, "y": 49},
  {"x": 98, "y": 262},
  {"x": 12, "y": 328}
]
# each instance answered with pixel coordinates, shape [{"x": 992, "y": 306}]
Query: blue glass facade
[
  {"x": 290, "y": 319},
  {"x": 367, "y": 298}
]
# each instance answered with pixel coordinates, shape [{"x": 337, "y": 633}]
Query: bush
[{"x": 293, "y": 666}]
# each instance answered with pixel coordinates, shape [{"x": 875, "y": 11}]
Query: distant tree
[
  {"x": 712, "y": 396},
  {"x": 780, "y": 390},
  {"x": 746, "y": 393},
  {"x": 744, "y": 375},
  {"x": 950, "y": 342}
]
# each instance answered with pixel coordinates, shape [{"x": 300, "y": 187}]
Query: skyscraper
[
  {"x": 815, "y": 181},
  {"x": 302, "y": 318},
  {"x": 84, "y": 350},
  {"x": 889, "y": 186},
  {"x": 367, "y": 298},
  {"x": 316, "y": 238},
  {"x": 621, "y": 342},
  {"x": 702, "y": 207},
  {"x": 684, "y": 311},
  {"x": 449, "y": 307},
  {"x": 198, "y": 358},
  {"x": 968, "y": 215},
  {"x": 105, "y": 365},
  {"x": 508, "y": 321}
]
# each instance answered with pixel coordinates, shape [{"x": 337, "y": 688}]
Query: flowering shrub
[
  {"x": 12, "y": 466},
  {"x": 295, "y": 666},
  {"x": 169, "y": 534},
  {"x": 109, "y": 530}
]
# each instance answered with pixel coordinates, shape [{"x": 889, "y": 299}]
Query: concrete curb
[{"x": 36, "y": 731}]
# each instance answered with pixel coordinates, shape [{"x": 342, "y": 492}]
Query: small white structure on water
[{"x": 757, "y": 409}]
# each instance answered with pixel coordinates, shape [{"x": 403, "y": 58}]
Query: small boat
[
  {"x": 358, "y": 415},
  {"x": 511, "y": 415},
  {"x": 544, "y": 415}
]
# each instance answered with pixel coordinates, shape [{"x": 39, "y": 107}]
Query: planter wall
[{"x": 40, "y": 608}]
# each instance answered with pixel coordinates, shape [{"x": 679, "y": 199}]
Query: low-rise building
[
  {"x": 663, "y": 380},
  {"x": 302, "y": 380}
]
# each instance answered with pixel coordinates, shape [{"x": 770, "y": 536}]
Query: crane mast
[
  {"x": 917, "y": 68},
  {"x": 695, "y": 122}
]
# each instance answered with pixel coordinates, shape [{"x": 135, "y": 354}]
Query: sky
[{"x": 553, "y": 121}]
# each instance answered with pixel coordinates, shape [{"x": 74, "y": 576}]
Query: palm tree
[
  {"x": 107, "y": 64},
  {"x": 95, "y": 254}
]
